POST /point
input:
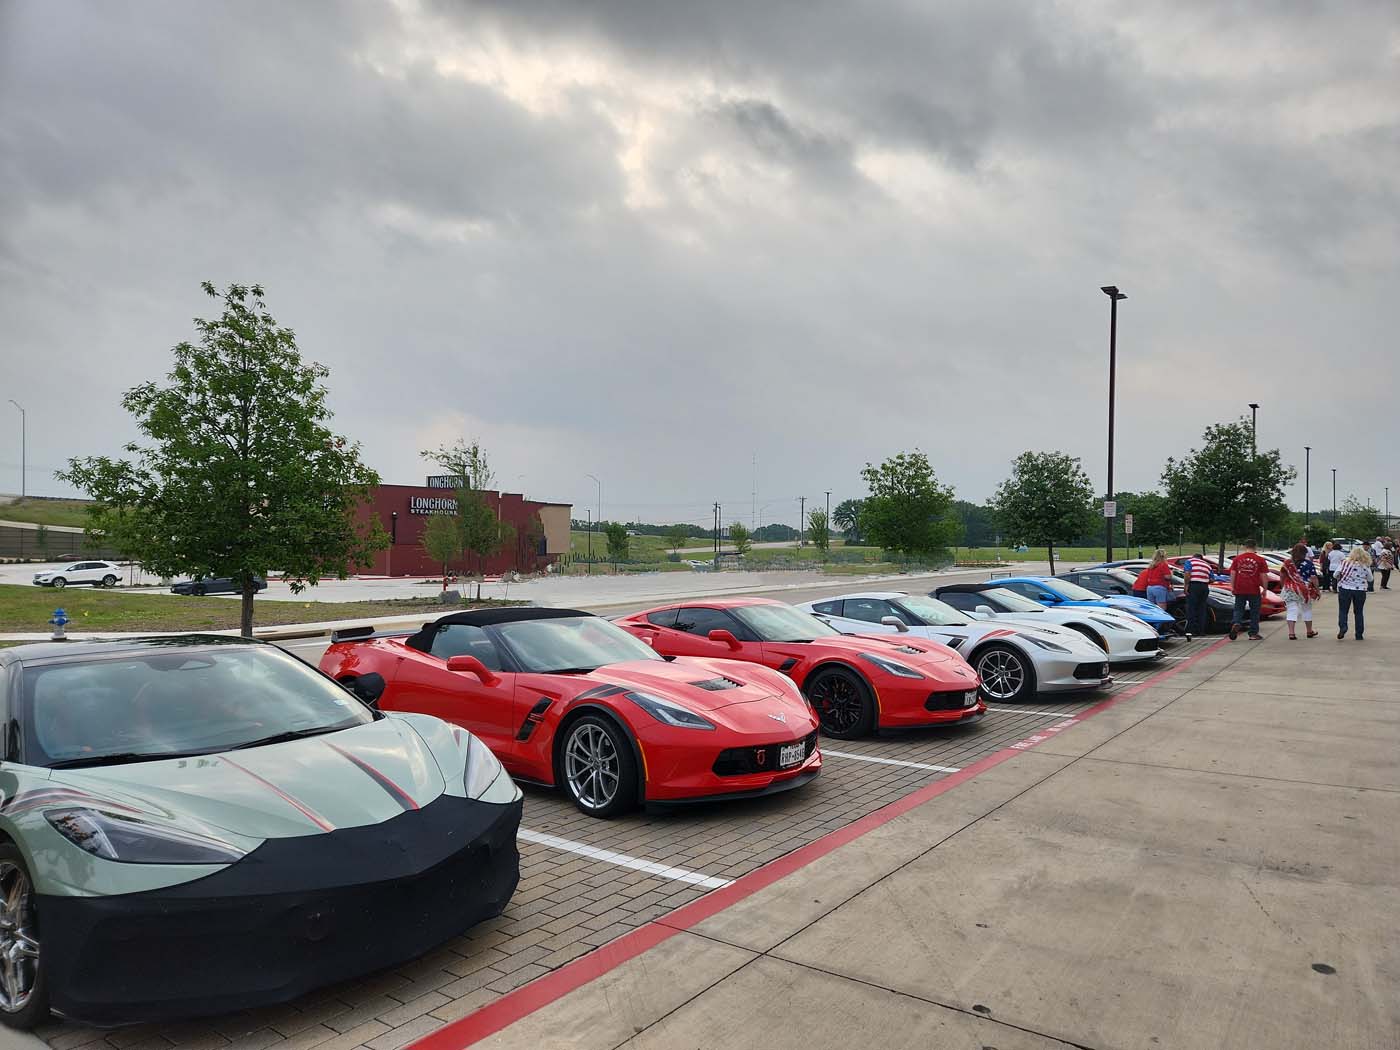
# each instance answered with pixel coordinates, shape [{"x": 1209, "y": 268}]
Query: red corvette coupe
[
  {"x": 567, "y": 699},
  {"x": 857, "y": 683}
]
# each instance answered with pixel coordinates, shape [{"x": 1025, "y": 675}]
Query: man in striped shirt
[{"x": 1199, "y": 573}]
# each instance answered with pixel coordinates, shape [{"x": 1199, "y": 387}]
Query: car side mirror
[
  {"x": 984, "y": 610},
  {"x": 895, "y": 622},
  {"x": 471, "y": 665},
  {"x": 727, "y": 637},
  {"x": 1048, "y": 599},
  {"x": 368, "y": 687}
]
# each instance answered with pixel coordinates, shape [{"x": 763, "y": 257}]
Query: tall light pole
[
  {"x": 1334, "y": 499},
  {"x": 1111, "y": 290},
  {"x": 599, "y": 518},
  {"x": 1254, "y": 427},
  {"x": 1307, "y": 484},
  {"x": 23, "y": 448},
  {"x": 801, "y": 518}
]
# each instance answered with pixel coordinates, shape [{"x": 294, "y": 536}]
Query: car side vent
[
  {"x": 908, "y": 649},
  {"x": 717, "y": 685}
]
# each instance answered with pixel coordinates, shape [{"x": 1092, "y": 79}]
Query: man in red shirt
[{"x": 1249, "y": 578}]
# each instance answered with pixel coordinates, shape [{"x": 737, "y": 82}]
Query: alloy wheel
[
  {"x": 1002, "y": 674},
  {"x": 19, "y": 940},
  {"x": 591, "y": 766},
  {"x": 839, "y": 702}
]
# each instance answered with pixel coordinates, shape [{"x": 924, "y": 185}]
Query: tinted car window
[
  {"x": 830, "y": 608},
  {"x": 464, "y": 639},
  {"x": 703, "y": 621},
  {"x": 1026, "y": 590},
  {"x": 664, "y": 618},
  {"x": 963, "y": 600},
  {"x": 871, "y": 610}
]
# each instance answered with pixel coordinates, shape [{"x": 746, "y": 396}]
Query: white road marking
[
  {"x": 889, "y": 761},
  {"x": 622, "y": 860},
  {"x": 1028, "y": 711}
]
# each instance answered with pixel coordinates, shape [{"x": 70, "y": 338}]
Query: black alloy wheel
[
  {"x": 197, "y": 590},
  {"x": 843, "y": 703},
  {"x": 1007, "y": 674}
]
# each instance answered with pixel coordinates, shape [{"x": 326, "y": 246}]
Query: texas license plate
[
  {"x": 792, "y": 755},
  {"x": 970, "y": 698}
]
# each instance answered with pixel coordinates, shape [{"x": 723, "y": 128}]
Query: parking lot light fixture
[
  {"x": 1111, "y": 290},
  {"x": 23, "y": 449}
]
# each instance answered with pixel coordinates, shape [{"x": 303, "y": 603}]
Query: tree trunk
[
  {"x": 1051, "y": 551},
  {"x": 1221, "y": 559},
  {"x": 246, "y": 610}
]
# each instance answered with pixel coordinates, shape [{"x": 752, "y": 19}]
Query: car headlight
[
  {"x": 1110, "y": 624},
  {"x": 891, "y": 666},
  {"x": 484, "y": 778},
  {"x": 669, "y": 712},
  {"x": 133, "y": 841},
  {"x": 1054, "y": 647}
]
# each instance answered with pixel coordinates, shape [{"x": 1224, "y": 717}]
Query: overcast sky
[{"x": 653, "y": 240}]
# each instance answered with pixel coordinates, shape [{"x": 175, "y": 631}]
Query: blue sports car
[{"x": 1061, "y": 593}]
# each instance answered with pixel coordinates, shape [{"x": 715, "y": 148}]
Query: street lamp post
[
  {"x": 1111, "y": 290},
  {"x": 23, "y": 448},
  {"x": 1334, "y": 499},
  {"x": 599, "y": 520},
  {"x": 1307, "y": 484},
  {"x": 1254, "y": 427},
  {"x": 589, "y": 512}
]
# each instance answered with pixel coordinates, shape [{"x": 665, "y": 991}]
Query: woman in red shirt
[{"x": 1157, "y": 578}]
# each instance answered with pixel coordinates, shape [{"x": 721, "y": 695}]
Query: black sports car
[{"x": 214, "y": 585}]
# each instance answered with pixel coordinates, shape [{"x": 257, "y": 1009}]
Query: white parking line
[
  {"x": 1028, "y": 711},
  {"x": 889, "y": 761},
  {"x": 622, "y": 860}
]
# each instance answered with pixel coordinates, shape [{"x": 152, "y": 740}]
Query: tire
[
  {"x": 1090, "y": 634},
  {"x": 843, "y": 702},
  {"x": 109, "y": 580},
  {"x": 21, "y": 928},
  {"x": 198, "y": 590},
  {"x": 1007, "y": 674},
  {"x": 596, "y": 767},
  {"x": 59, "y": 582}
]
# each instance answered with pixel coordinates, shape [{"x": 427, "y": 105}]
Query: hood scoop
[
  {"x": 718, "y": 685},
  {"x": 908, "y": 649}
]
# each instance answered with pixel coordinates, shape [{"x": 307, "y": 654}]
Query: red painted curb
[{"x": 544, "y": 990}]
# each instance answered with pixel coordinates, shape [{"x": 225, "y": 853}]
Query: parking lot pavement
[{"x": 585, "y": 882}]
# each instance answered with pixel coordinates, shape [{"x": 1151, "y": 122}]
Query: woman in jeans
[
  {"x": 1387, "y": 562},
  {"x": 1352, "y": 579},
  {"x": 1157, "y": 578},
  {"x": 1299, "y": 590}
]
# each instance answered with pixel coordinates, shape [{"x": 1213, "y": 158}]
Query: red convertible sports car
[
  {"x": 857, "y": 683},
  {"x": 568, "y": 699}
]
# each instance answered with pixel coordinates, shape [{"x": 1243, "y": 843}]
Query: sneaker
[
  {"x": 1256, "y": 637},
  {"x": 1188, "y": 636},
  {"x": 1342, "y": 633},
  {"x": 1235, "y": 631}
]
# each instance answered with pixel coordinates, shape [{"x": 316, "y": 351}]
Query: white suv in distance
[{"x": 97, "y": 573}]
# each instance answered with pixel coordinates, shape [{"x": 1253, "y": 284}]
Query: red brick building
[{"x": 541, "y": 529}]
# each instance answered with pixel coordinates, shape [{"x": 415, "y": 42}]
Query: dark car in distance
[{"x": 214, "y": 585}]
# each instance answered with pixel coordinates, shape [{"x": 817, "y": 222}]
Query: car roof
[
  {"x": 714, "y": 603},
  {"x": 968, "y": 588},
  {"x": 880, "y": 595},
  {"x": 32, "y": 651},
  {"x": 422, "y": 639}
]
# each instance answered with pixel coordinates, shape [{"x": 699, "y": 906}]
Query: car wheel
[
  {"x": 843, "y": 703},
  {"x": 24, "y": 995},
  {"x": 197, "y": 590},
  {"x": 1092, "y": 635},
  {"x": 597, "y": 769},
  {"x": 109, "y": 580},
  {"x": 59, "y": 582},
  {"x": 1007, "y": 674}
]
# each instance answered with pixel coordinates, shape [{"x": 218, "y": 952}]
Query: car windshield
[
  {"x": 933, "y": 612},
  {"x": 174, "y": 701},
  {"x": 1010, "y": 601},
  {"x": 1075, "y": 593},
  {"x": 1123, "y": 576},
  {"x": 782, "y": 623},
  {"x": 571, "y": 643}
]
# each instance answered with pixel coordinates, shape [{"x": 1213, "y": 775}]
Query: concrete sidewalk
[{"x": 1211, "y": 863}]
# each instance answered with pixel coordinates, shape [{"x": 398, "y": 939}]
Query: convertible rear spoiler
[{"x": 364, "y": 634}]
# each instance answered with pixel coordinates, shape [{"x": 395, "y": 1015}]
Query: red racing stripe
[
  {"x": 315, "y": 818},
  {"x": 398, "y": 794}
]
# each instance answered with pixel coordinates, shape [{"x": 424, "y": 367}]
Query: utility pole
[
  {"x": 23, "y": 449},
  {"x": 801, "y": 518},
  {"x": 1334, "y": 499},
  {"x": 1307, "y": 484},
  {"x": 1111, "y": 290},
  {"x": 589, "y": 512},
  {"x": 753, "y": 495}
]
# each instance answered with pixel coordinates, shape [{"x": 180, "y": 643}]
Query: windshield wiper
[
  {"x": 569, "y": 670},
  {"x": 290, "y": 734},
  {"x": 119, "y": 757}
]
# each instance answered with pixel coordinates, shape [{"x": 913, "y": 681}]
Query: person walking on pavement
[
  {"x": 1375, "y": 548},
  {"x": 1199, "y": 573},
  {"x": 1352, "y": 580},
  {"x": 1157, "y": 578},
  {"x": 1335, "y": 557},
  {"x": 1299, "y": 590},
  {"x": 1386, "y": 563},
  {"x": 1249, "y": 578}
]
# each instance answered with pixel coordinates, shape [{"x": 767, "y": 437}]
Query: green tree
[
  {"x": 1154, "y": 518},
  {"x": 1048, "y": 499},
  {"x": 740, "y": 538},
  {"x": 979, "y": 524},
  {"x": 820, "y": 531},
  {"x": 442, "y": 541},
  {"x": 1318, "y": 532},
  {"x": 466, "y": 464},
  {"x": 483, "y": 532},
  {"x": 907, "y": 511},
  {"x": 1356, "y": 521},
  {"x": 846, "y": 517},
  {"x": 239, "y": 472},
  {"x": 619, "y": 543},
  {"x": 1225, "y": 490},
  {"x": 676, "y": 536},
  {"x": 41, "y": 540}
]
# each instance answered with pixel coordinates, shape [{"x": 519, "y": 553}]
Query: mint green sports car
[{"x": 197, "y": 824}]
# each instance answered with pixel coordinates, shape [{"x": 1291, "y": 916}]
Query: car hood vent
[
  {"x": 716, "y": 685},
  {"x": 908, "y": 649}
]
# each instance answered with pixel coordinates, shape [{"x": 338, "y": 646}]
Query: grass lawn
[
  {"x": 46, "y": 511},
  {"x": 27, "y": 609},
  {"x": 1068, "y": 555}
]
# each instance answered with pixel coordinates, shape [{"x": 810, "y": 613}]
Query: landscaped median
[{"x": 28, "y": 609}]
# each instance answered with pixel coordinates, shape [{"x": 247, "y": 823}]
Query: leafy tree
[
  {"x": 1225, "y": 490},
  {"x": 619, "y": 543},
  {"x": 1318, "y": 532},
  {"x": 1047, "y": 500},
  {"x": 1357, "y": 521},
  {"x": 740, "y": 538},
  {"x": 676, "y": 536},
  {"x": 41, "y": 540},
  {"x": 442, "y": 541},
  {"x": 1154, "y": 518},
  {"x": 466, "y": 463},
  {"x": 483, "y": 533},
  {"x": 820, "y": 530},
  {"x": 775, "y": 533},
  {"x": 979, "y": 523},
  {"x": 907, "y": 510},
  {"x": 846, "y": 517},
  {"x": 239, "y": 473}
]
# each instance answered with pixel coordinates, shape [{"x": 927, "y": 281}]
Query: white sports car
[
  {"x": 1122, "y": 636},
  {"x": 1014, "y": 661}
]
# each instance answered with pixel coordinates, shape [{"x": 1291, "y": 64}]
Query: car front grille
[
  {"x": 737, "y": 761},
  {"x": 951, "y": 700},
  {"x": 1091, "y": 671},
  {"x": 1147, "y": 645}
]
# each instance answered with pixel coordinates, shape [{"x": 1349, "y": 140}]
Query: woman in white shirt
[
  {"x": 1335, "y": 557},
  {"x": 1353, "y": 578}
]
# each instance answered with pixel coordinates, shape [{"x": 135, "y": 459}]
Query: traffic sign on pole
[
  {"x": 1128, "y": 524},
  {"x": 1110, "y": 508}
]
